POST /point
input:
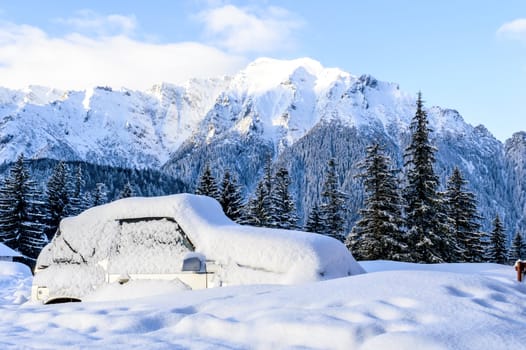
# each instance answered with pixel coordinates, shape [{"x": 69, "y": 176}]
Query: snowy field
[{"x": 395, "y": 306}]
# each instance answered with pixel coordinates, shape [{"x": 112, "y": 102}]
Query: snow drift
[
  {"x": 393, "y": 306},
  {"x": 15, "y": 279},
  {"x": 122, "y": 237}
]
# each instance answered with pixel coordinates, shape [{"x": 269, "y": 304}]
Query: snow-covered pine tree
[
  {"x": 333, "y": 204},
  {"x": 285, "y": 215},
  {"x": 378, "y": 234},
  {"x": 99, "y": 195},
  {"x": 20, "y": 226},
  {"x": 33, "y": 238},
  {"x": 127, "y": 191},
  {"x": 314, "y": 221},
  {"x": 207, "y": 185},
  {"x": 427, "y": 224},
  {"x": 518, "y": 247},
  {"x": 451, "y": 248},
  {"x": 76, "y": 204},
  {"x": 461, "y": 208},
  {"x": 267, "y": 199},
  {"x": 259, "y": 210},
  {"x": 57, "y": 198},
  {"x": 496, "y": 252},
  {"x": 8, "y": 220},
  {"x": 231, "y": 198}
]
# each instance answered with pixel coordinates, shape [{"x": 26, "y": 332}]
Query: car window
[{"x": 150, "y": 245}]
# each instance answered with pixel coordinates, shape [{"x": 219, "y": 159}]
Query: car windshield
[{"x": 149, "y": 245}]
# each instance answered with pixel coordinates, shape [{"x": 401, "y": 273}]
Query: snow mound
[
  {"x": 5, "y": 251},
  {"x": 101, "y": 238},
  {"x": 8, "y": 268},
  {"x": 135, "y": 290},
  {"x": 15, "y": 283},
  {"x": 399, "y": 306}
]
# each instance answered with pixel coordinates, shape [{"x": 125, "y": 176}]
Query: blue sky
[{"x": 467, "y": 55}]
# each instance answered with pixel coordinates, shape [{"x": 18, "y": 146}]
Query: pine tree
[
  {"x": 314, "y": 221},
  {"x": 57, "y": 198},
  {"x": 333, "y": 204},
  {"x": 33, "y": 238},
  {"x": 76, "y": 204},
  {"x": 461, "y": 208},
  {"x": 446, "y": 228},
  {"x": 207, "y": 184},
  {"x": 8, "y": 203},
  {"x": 230, "y": 198},
  {"x": 518, "y": 247},
  {"x": 496, "y": 252},
  {"x": 127, "y": 191},
  {"x": 20, "y": 226},
  {"x": 267, "y": 183},
  {"x": 99, "y": 195},
  {"x": 259, "y": 210},
  {"x": 282, "y": 203},
  {"x": 378, "y": 234},
  {"x": 426, "y": 222}
]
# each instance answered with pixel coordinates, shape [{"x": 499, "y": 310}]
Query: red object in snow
[{"x": 520, "y": 267}]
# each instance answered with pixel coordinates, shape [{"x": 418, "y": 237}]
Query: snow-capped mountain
[
  {"x": 298, "y": 111},
  {"x": 102, "y": 126}
]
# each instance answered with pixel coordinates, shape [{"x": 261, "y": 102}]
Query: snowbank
[
  {"x": 15, "y": 280},
  {"x": 8, "y": 268},
  {"x": 5, "y": 251},
  {"x": 135, "y": 290},
  {"x": 99, "y": 239},
  {"x": 398, "y": 306}
]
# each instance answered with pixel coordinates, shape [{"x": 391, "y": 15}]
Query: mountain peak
[
  {"x": 286, "y": 65},
  {"x": 42, "y": 95},
  {"x": 264, "y": 74}
]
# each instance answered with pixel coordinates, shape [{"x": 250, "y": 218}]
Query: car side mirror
[{"x": 192, "y": 264}]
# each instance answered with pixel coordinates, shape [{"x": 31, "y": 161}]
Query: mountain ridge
[{"x": 290, "y": 110}]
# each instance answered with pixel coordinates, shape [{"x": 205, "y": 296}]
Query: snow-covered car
[{"x": 180, "y": 237}]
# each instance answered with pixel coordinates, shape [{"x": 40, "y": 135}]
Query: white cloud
[
  {"x": 88, "y": 21},
  {"x": 515, "y": 29},
  {"x": 105, "y": 49},
  {"x": 28, "y": 56},
  {"x": 245, "y": 30}
]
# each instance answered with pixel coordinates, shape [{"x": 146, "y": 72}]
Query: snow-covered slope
[
  {"x": 515, "y": 151},
  {"x": 281, "y": 100},
  {"x": 101, "y": 126},
  {"x": 297, "y": 111}
]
